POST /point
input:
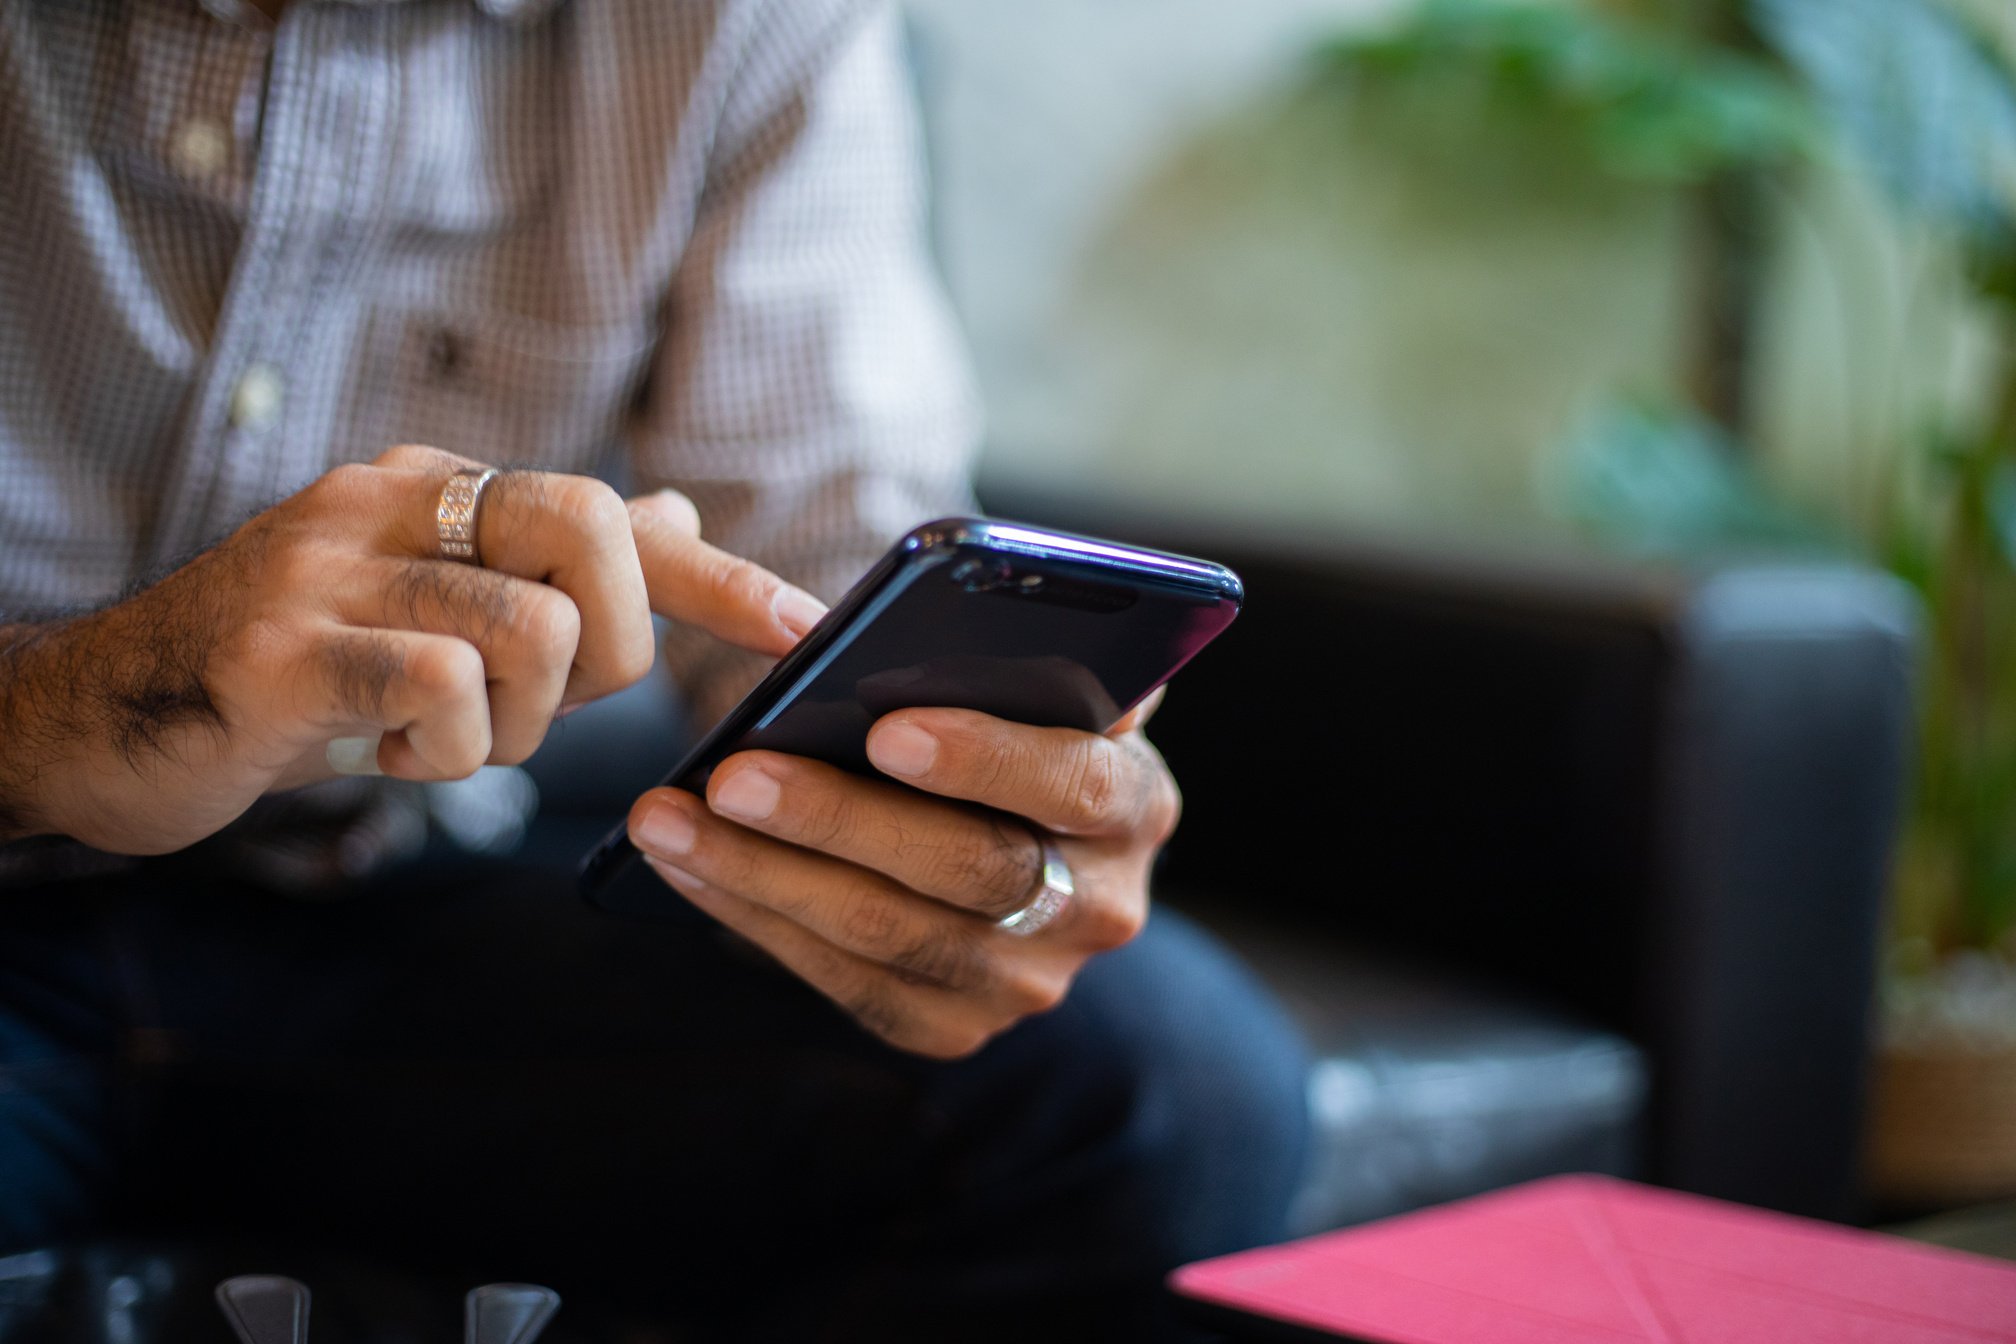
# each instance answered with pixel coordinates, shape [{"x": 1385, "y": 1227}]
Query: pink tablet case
[{"x": 1591, "y": 1260}]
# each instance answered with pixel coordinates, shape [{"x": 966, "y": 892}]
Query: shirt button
[
  {"x": 444, "y": 354},
  {"x": 255, "y": 402},
  {"x": 201, "y": 148}
]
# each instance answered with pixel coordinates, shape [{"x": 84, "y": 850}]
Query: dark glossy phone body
[{"x": 1039, "y": 627}]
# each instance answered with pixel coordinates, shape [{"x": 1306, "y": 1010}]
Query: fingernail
[
  {"x": 565, "y": 710},
  {"x": 666, "y": 829},
  {"x": 797, "y": 609},
  {"x": 678, "y": 877},
  {"x": 903, "y": 749},
  {"x": 748, "y": 794},
  {"x": 354, "y": 755}
]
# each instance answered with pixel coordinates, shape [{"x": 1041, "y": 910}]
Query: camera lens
[{"x": 980, "y": 576}]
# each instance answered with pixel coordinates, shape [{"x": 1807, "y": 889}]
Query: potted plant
[
  {"x": 1943, "y": 1129},
  {"x": 1723, "y": 99}
]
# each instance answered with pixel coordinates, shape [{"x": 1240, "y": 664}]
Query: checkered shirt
[{"x": 678, "y": 239}]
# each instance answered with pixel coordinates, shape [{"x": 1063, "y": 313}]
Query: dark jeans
[{"x": 467, "y": 1072}]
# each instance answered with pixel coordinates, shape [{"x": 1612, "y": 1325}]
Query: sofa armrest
[{"x": 1787, "y": 721}]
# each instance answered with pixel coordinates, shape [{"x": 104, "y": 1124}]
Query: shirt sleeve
[{"x": 811, "y": 394}]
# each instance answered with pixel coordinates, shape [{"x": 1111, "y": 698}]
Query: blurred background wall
[{"x": 1201, "y": 269}]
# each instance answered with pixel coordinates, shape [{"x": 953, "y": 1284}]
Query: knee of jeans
[{"x": 1203, "y": 1080}]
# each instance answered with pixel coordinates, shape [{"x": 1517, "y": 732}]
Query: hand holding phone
[{"x": 878, "y": 873}]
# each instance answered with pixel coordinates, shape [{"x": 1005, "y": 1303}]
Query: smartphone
[{"x": 1039, "y": 627}]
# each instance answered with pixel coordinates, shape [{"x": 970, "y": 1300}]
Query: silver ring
[
  {"x": 1051, "y": 898},
  {"x": 455, "y": 515}
]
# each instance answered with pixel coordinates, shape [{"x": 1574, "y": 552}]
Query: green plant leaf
[
  {"x": 1652, "y": 105},
  {"x": 1924, "y": 102},
  {"x": 1669, "y": 481}
]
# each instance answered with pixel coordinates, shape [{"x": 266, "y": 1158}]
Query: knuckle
[
  {"x": 445, "y": 668},
  {"x": 1092, "y": 785},
  {"x": 348, "y": 477},
  {"x": 827, "y": 817},
  {"x": 994, "y": 772},
  {"x": 949, "y": 960},
  {"x": 868, "y": 922},
  {"x": 587, "y": 504},
  {"x": 604, "y": 507},
  {"x": 408, "y": 456},
  {"x": 994, "y": 877},
  {"x": 740, "y": 583},
  {"x": 342, "y": 489},
  {"x": 551, "y": 624},
  {"x": 1030, "y": 994},
  {"x": 1108, "y": 924}
]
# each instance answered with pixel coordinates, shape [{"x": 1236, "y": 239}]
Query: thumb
[{"x": 1137, "y": 718}]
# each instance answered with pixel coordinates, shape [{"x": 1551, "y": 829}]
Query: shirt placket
[{"x": 258, "y": 413}]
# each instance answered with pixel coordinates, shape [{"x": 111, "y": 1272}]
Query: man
[{"x": 243, "y": 249}]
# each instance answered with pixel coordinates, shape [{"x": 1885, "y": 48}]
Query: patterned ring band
[
  {"x": 1052, "y": 898},
  {"x": 455, "y": 516}
]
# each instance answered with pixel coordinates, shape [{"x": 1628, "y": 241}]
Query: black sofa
[{"x": 1567, "y": 864}]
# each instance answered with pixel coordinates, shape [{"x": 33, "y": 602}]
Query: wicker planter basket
[{"x": 1943, "y": 1128}]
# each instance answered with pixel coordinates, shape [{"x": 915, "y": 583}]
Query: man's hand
[
  {"x": 148, "y": 725},
  {"x": 884, "y": 897}
]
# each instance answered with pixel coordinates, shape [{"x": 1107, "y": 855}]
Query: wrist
[{"x": 66, "y": 742}]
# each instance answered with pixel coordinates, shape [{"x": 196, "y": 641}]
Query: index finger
[
  {"x": 698, "y": 584},
  {"x": 1063, "y": 780}
]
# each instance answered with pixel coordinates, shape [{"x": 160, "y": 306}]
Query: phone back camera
[{"x": 981, "y": 576}]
